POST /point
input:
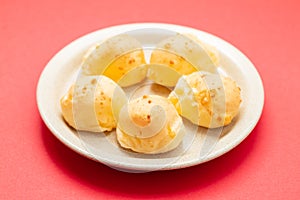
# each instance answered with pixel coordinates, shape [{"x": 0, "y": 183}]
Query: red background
[{"x": 35, "y": 165}]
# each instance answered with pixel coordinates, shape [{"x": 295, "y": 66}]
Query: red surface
[{"x": 35, "y": 165}]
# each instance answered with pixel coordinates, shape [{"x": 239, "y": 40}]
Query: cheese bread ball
[
  {"x": 150, "y": 124},
  {"x": 206, "y": 99},
  {"x": 93, "y": 103},
  {"x": 180, "y": 55},
  {"x": 120, "y": 58}
]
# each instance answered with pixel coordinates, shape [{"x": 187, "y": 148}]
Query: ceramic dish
[{"x": 199, "y": 144}]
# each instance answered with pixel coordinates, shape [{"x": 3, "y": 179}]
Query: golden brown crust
[
  {"x": 218, "y": 99},
  {"x": 140, "y": 112}
]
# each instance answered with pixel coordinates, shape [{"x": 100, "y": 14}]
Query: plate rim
[{"x": 130, "y": 166}]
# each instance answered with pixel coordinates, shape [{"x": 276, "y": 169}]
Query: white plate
[{"x": 199, "y": 145}]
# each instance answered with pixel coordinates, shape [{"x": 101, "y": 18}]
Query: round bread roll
[
  {"x": 206, "y": 99},
  {"x": 150, "y": 125},
  {"x": 120, "y": 58},
  {"x": 180, "y": 55},
  {"x": 93, "y": 103}
]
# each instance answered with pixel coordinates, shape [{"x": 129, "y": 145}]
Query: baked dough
[
  {"x": 150, "y": 124},
  {"x": 208, "y": 100},
  {"x": 93, "y": 104},
  {"x": 120, "y": 58},
  {"x": 180, "y": 55}
]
